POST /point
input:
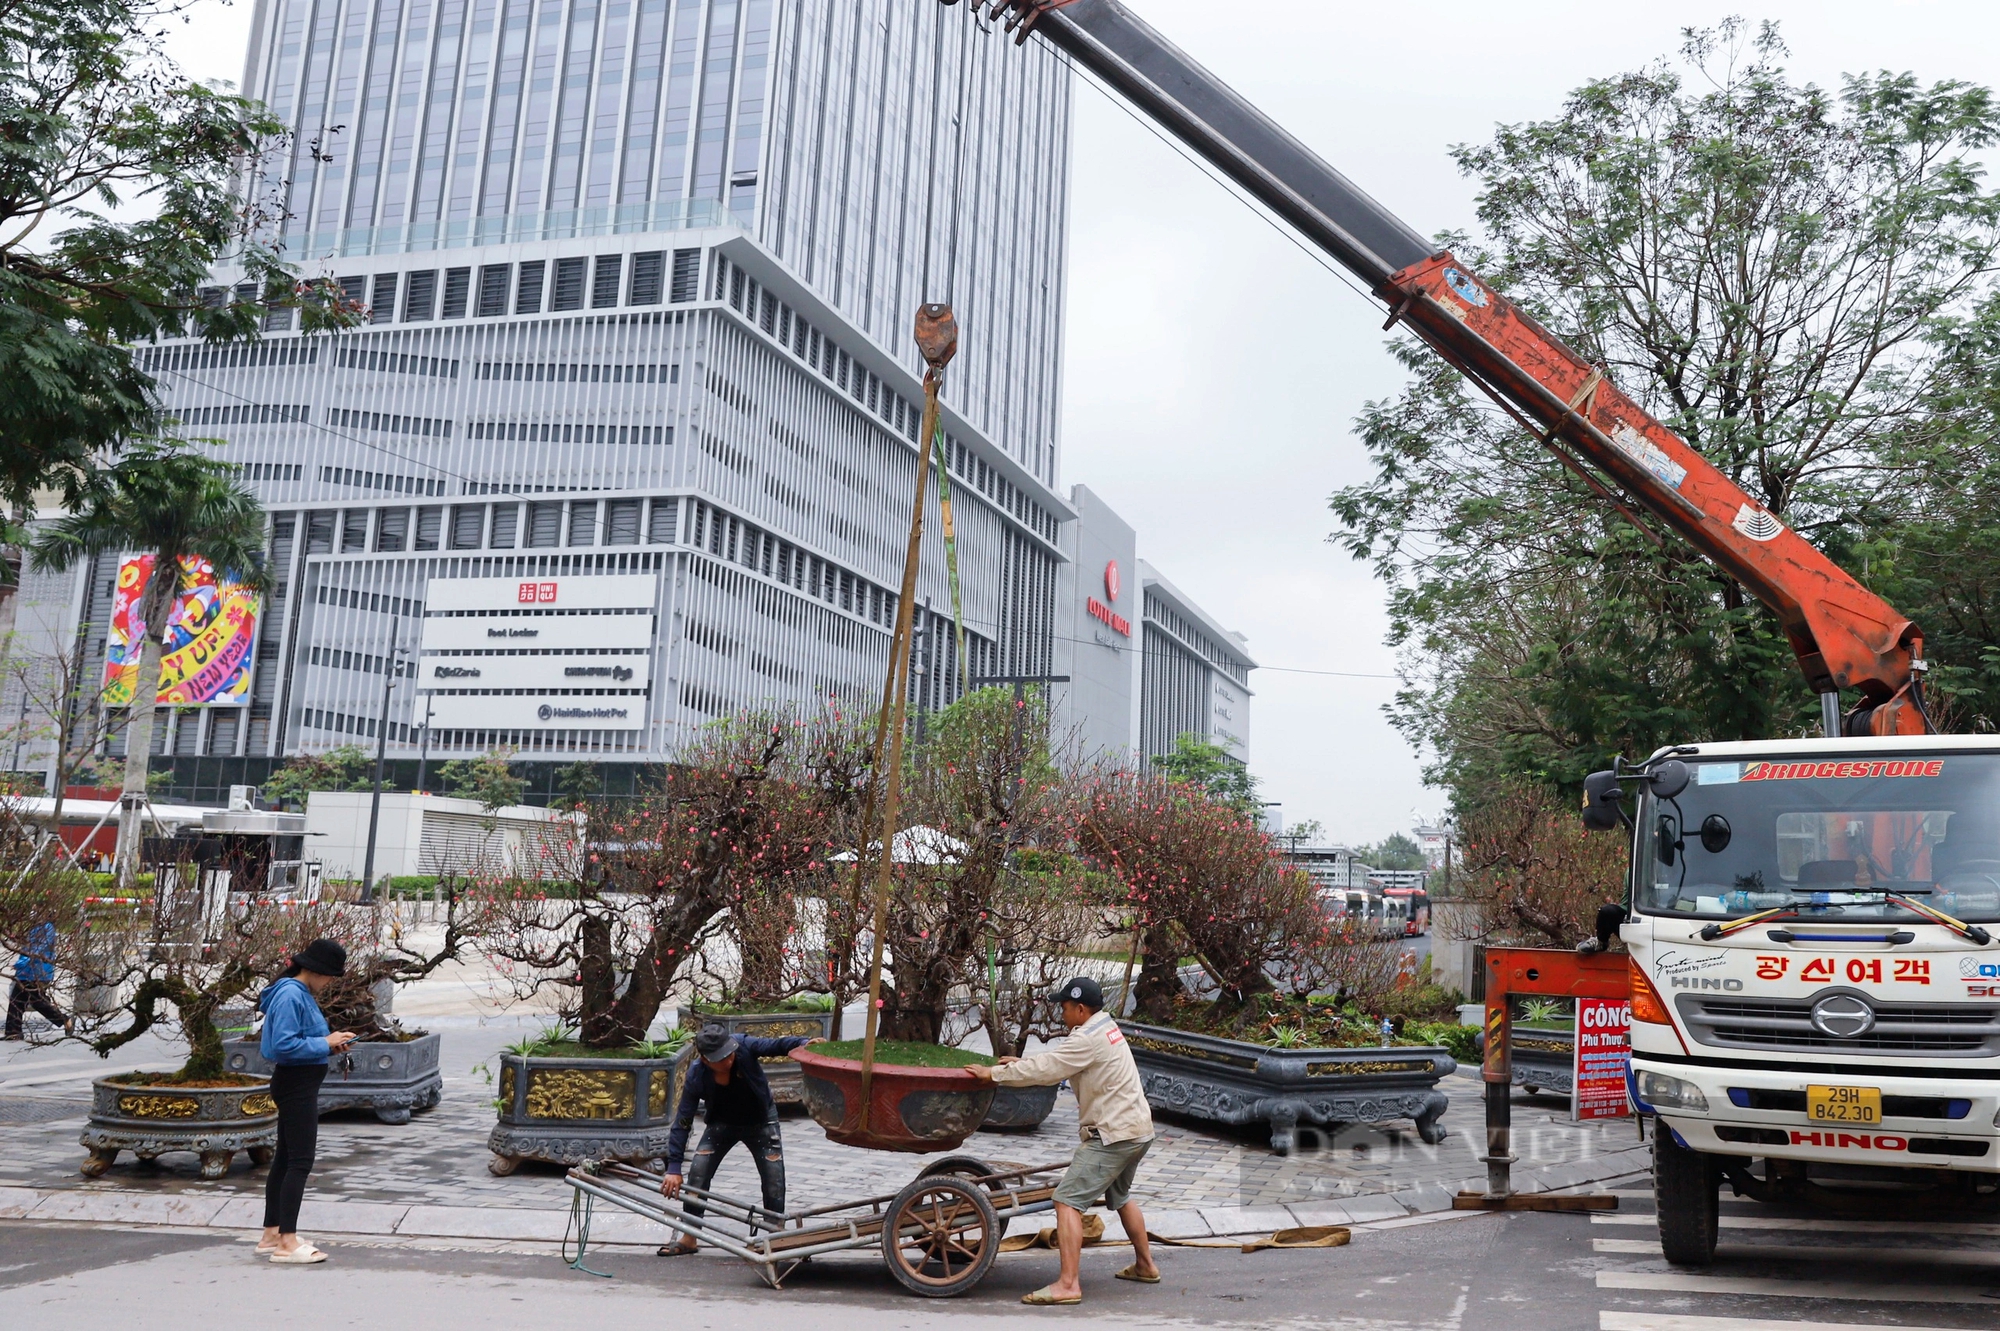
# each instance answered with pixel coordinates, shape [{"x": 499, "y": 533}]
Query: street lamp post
[
  {"x": 424, "y": 752},
  {"x": 381, "y": 757}
]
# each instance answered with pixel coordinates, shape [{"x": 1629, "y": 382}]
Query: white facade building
[{"x": 640, "y": 280}]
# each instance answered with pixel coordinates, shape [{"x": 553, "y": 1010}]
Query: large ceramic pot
[
  {"x": 1018, "y": 1108},
  {"x": 569, "y": 1110},
  {"x": 787, "y": 1083},
  {"x": 910, "y": 1109},
  {"x": 391, "y": 1078},
  {"x": 150, "y": 1121},
  {"x": 1239, "y": 1083}
]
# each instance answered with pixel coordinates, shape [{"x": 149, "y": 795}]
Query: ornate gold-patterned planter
[
  {"x": 1239, "y": 1083},
  {"x": 569, "y": 1110},
  {"x": 150, "y": 1121},
  {"x": 787, "y": 1082}
]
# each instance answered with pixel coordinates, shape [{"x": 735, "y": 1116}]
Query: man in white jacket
[{"x": 1116, "y": 1125}]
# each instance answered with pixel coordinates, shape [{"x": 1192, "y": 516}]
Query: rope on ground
[
  {"x": 581, "y": 1207},
  {"x": 1303, "y": 1236}
]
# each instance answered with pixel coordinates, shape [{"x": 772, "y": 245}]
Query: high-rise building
[{"x": 627, "y": 440}]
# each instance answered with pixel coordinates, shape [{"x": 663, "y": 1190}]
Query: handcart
[{"x": 938, "y": 1236}]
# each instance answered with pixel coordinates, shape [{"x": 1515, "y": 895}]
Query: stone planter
[
  {"x": 910, "y": 1109},
  {"x": 393, "y": 1079},
  {"x": 1238, "y": 1083},
  {"x": 1544, "y": 1060},
  {"x": 787, "y": 1082},
  {"x": 1019, "y": 1108},
  {"x": 151, "y": 1121},
  {"x": 569, "y": 1110}
]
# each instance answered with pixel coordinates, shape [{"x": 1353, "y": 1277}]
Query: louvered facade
[{"x": 639, "y": 280}]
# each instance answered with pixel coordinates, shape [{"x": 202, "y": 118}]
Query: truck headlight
[{"x": 1664, "y": 1092}]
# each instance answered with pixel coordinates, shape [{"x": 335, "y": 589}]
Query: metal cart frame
[{"x": 938, "y": 1236}]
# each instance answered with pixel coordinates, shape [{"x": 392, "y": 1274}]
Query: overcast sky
[{"x": 1214, "y": 370}]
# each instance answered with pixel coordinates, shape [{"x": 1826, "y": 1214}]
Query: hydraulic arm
[{"x": 1845, "y": 636}]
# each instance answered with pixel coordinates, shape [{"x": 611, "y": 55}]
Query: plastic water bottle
[{"x": 1388, "y": 1032}]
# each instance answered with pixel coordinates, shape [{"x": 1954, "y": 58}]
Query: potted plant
[
  {"x": 190, "y": 951},
  {"x": 982, "y": 789},
  {"x": 388, "y": 1070},
  {"x": 646, "y": 886},
  {"x": 1248, "y": 1045}
]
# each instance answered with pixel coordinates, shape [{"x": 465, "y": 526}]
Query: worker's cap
[
  {"x": 1082, "y": 990},
  {"x": 322, "y": 956},
  {"x": 714, "y": 1043}
]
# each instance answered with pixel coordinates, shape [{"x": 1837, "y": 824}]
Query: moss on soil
[
  {"x": 577, "y": 1049},
  {"x": 905, "y": 1053},
  {"x": 228, "y": 1081}
]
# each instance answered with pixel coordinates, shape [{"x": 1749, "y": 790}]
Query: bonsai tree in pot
[{"x": 653, "y": 877}]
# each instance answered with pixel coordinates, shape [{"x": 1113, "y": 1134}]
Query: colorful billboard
[{"x": 210, "y": 647}]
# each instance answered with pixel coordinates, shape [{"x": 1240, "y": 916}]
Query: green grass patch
[
  {"x": 905, "y": 1054},
  {"x": 808, "y": 1004},
  {"x": 578, "y": 1049}
]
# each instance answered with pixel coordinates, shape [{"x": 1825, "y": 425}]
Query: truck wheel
[{"x": 1685, "y": 1184}]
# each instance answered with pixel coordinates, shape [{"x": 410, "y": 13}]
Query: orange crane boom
[{"x": 1845, "y": 636}]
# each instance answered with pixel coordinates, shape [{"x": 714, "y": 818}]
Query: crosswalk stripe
[
  {"x": 1673, "y": 1282},
  {"x": 1939, "y": 1229},
  {"x": 1627, "y": 1321},
  {"x": 1793, "y": 1252}
]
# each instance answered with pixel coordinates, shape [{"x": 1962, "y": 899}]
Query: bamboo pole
[{"x": 937, "y": 339}]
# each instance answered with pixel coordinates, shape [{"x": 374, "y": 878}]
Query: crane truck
[{"x": 1815, "y": 988}]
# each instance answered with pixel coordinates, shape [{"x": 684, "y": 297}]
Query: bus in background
[{"x": 1412, "y": 905}]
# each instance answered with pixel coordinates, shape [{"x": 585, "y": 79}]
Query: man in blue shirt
[
  {"x": 727, "y": 1078},
  {"x": 34, "y": 976}
]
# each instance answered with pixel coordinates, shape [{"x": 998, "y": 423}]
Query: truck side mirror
[
  {"x": 1668, "y": 779},
  {"x": 1603, "y": 810}
]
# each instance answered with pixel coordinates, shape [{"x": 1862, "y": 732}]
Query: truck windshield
[{"x": 1834, "y": 839}]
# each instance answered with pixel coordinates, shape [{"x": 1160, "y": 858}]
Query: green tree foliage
[
  {"x": 579, "y": 782},
  {"x": 347, "y": 767},
  {"x": 1396, "y": 851},
  {"x": 1767, "y": 267},
  {"x": 1197, "y": 761},
  {"x": 488, "y": 778},
  {"x": 94, "y": 116},
  {"x": 173, "y": 505}
]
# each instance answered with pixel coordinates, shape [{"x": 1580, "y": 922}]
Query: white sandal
[{"x": 303, "y": 1255}]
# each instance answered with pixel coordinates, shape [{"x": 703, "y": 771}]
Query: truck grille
[{"x": 1914, "y": 1030}]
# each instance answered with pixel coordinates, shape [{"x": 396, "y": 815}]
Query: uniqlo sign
[
  {"x": 1603, "y": 1050},
  {"x": 536, "y": 593}
]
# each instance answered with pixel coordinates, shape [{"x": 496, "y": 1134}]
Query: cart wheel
[
  {"x": 941, "y": 1236},
  {"x": 962, "y": 1166}
]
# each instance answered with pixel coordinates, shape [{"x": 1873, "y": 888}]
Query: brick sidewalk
[{"x": 430, "y": 1177}]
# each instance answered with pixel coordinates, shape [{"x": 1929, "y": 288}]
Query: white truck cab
[{"x": 1814, "y": 933}]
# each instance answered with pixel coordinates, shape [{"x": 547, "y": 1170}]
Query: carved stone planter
[
  {"x": 391, "y": 1078},
  {"x": 1544, "y": 1060},
  {"x": 1018, "y": 1108},
  {"x": 1238, "y": 1083},
  {"x": 569, "y": 1110},
  {"x": 787, "y": 1083},
  {"x": 212, "y": 1122},
  {"x": 909, "y": 1108}
]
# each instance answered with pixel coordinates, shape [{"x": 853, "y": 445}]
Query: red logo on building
[
  {"x": 1111, "y": 581},
  {"x": 531, "y": 593},
  {"x": 1100, "y": 611}
]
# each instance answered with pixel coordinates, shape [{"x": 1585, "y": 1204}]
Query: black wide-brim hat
[
  {"x": 322, "y": 956},
  {"x": 715, "y": 1043}
]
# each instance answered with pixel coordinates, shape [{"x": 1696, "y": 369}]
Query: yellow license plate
[{"x": 1844, "y": 1104}]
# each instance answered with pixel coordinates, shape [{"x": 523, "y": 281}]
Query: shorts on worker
[{"x": 1102, "y": 1169}]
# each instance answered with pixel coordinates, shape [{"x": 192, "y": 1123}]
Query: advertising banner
[
  {"x": 616, "y": 591},
  {"x": 633, "y": 670},
  {"x": 463, "y": 633},
  {"x": 512, "y": 711},
  {"x": 1603, "y": 1049},
  {"x": 210, "y": 645}
]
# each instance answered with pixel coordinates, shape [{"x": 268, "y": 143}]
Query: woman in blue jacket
[{"x": 297, "y": 1044}]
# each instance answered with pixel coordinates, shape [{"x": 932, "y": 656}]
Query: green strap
[{"x": 951, "y": 557}]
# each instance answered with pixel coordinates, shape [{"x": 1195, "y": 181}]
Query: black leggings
[
  {"x": 27, "y": 994},
  {"x": 296, "y": 1089}
]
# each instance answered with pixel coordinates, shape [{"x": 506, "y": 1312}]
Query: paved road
[{"x": 1778, "y": 1271}]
